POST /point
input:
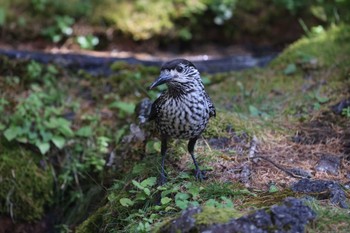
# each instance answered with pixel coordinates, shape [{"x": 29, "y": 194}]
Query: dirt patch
[
  {"x": 8, "y": 225},
  {"x": 318, "y": 145}
]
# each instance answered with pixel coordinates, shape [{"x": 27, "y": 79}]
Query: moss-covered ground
[
  {"x": 26, "y": 187},
  {"x": 107, "y": 174}
]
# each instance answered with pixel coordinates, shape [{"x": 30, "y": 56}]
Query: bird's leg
[
  {"x": 163, "y": 150},
  {"x": 199, "y": 174}
]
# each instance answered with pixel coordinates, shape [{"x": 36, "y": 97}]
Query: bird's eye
[{"x": 179, "y": 69}]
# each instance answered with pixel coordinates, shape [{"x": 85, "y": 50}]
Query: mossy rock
[
  {"x": 26, "y": 188},
  {"x": 93, "y": 223},
  {"x": 211, "y": 215}
]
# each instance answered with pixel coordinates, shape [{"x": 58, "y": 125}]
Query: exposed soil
[
  {"x": 313, "y": 141},
  {"x": 9, "y": 226}
]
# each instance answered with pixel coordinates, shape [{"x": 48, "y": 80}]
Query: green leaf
[
  {"x": 46, "y": 136},
  {"x": 253, "y": 110},
  {"x": 147, "y": 191},
  {"x": 165, "y": 200},
  {"x": 141, "y": 197},
  {"x": 128, "y": 108},
  {"x": 58, "y": 141},
  {"x": 52, "y": 69},
  {"x": 32, "y": 135},
  {"x": 181, "y": 204},
  {"x": 290, "y": 69},
  {"x": 126, "y": 202},
  {"x": 119, "y": 134},
  {"x": 137, "y": 184},
  {"x": 184, "y": 175},
  {"x": 321, "y": 99},
  {"x": 138, "y": 168},
  {"x": 194, "y": 191},
  {"x": 194, "y": 203},
  {"x": 153, "y": 146},
  {"x": 157, "y": 146},
  {"x": 273, "y": 188},
  {"x": 205, "y": 80},
  {"x": 12, "y": 132},
  {"x": 66, "y": 131},
  {"x": 182, "y": 196},
  {"x": 85, "y": 131},
  {"x": 317, "y": 106},
  {"x": 212, "y": 203},
  {"x": 22, "y": 139},
  {"x": 151, "y": 181},
  {"x": 227, "y": 202},
  {"x": 43, "y": 146}
]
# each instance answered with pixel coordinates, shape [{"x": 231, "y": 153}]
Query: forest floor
[{"x": 275, "y": 127}]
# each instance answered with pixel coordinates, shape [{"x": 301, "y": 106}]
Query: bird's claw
[{"x": 200, "y": 175}]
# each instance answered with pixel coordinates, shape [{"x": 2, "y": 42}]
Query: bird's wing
[
  {"x": 153, "y": 114},
  {"x": 212, "y": 111},
  {"x": 154, "y": 108}
]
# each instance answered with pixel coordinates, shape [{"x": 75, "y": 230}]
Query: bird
[{"x": 183, "y": 110}]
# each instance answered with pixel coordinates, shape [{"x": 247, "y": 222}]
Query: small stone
[
  {"x": 323, "y": 189},
  {"x": 329, "y": 164}
]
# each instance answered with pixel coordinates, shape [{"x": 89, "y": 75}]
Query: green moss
[
  {"x": 328, "y": 47},
  {"x": 211, "y": 215},
  {"x": 265, "y": 199},
  {"x": 241, "y": 124},
  {"x": 26, "y": 188},
  {"x": 139, "y": 19},
  {"x": 232, "y": 190},
  {"x": 329, "y": 218},
  {"x": 257, "y": 100},
  {"x": 93, "y": 223}
]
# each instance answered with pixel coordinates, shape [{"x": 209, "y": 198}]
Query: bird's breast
[{"x": 184, "y": 116}]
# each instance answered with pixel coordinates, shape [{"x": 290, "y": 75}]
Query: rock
[
  {"x": 219, "y": 143},
  {"x": 300, "y": 172},
  {"x": 291, "y": 216},
  {"x": 324, "y": 189},
  {"x": 185, "y": 222},
  {"x": 338, "y": 108},
  {"x": 328, "y": 163}
]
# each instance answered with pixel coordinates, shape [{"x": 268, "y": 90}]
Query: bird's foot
[{"x": 200, "y": 175}]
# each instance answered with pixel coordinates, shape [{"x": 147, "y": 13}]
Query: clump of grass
[{"x": 329, "y": 218}]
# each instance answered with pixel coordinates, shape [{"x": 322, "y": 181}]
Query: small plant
[
  {"x": 36, "y": 124},
  {"x": 37, "y": 119},
  {"x": 145, "y": 204},
  {"x": 145, "y": 193},
  {"x": 39, "y": 5},
  {"x": 319, "y": 100},
  {"x": 62, "y": 27},
  {"x": 346, "y": 112},
  {"x": 223, "y": 10},
  {"x": 87, "y": 42},
  {"x": 2, "y": 16},
  {"x": 125, "y": 108}
]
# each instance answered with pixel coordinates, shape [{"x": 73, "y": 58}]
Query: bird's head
[{"x": 176, "y": 73}]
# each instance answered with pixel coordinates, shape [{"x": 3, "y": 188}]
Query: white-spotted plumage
[{"x": 183, "y": 110}]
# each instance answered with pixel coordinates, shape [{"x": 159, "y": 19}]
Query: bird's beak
[{"x": 163, "y": 78}]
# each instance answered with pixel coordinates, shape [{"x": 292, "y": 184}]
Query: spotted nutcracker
[{"x": 183, "y": 110}]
